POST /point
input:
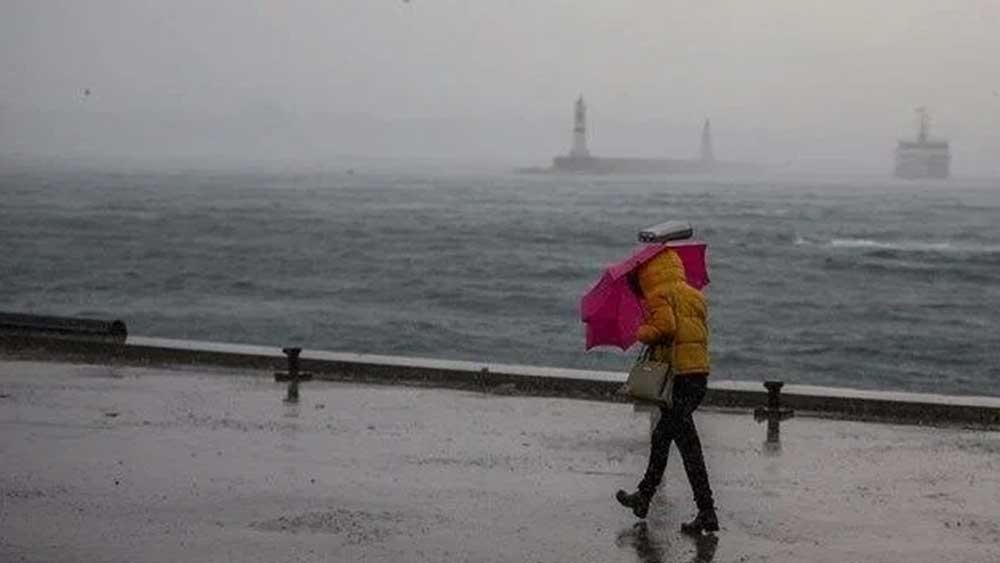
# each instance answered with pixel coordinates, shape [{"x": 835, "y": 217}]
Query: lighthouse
[
  {"x": 579, "y": 159},
  {"x": 706, "y": 154},
  {"x": 579, "y": 149}
]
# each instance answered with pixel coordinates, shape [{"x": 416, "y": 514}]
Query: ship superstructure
[{"x": 924, "y": 157}]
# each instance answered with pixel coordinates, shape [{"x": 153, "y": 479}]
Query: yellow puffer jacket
[{"x": 677, "y": 313}]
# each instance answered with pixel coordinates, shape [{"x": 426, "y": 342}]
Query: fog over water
[{"x": 801, "y": 85}]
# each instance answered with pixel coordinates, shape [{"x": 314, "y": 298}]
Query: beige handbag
[{"x": 650, "y": 380}]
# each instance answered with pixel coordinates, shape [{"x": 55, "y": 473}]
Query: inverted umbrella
[{"x": 611, "y": 309}]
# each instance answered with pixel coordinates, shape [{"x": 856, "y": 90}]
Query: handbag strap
[{"x": 647, "y": 353}]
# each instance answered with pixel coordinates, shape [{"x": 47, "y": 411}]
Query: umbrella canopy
[{"x": 611, "y": 309}]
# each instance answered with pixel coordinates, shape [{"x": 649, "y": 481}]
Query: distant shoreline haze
[{"x": 103, "y": 134}]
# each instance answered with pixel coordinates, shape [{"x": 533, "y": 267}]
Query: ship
[
  {"x": 924, "y": 157},
  {"x": 580, "y": 160}
]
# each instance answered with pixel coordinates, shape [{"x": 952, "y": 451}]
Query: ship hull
[{"x": 922, "y": 160}]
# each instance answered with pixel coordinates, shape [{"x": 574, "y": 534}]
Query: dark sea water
[{"x": 862, "y": 283}]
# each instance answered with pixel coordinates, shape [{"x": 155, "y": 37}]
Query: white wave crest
[{"x": 914, "y": 246}]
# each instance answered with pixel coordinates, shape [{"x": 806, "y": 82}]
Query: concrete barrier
[
  {"x": 881, "y": 406},
  {"x": 48, "y": 326}
]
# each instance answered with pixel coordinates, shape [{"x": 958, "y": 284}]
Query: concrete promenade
[{"x": 124, "y": 463}]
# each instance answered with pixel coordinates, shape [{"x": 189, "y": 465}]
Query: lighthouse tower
[
  {"x": 579, "y": 149},
  {"x": 706, "y": 153}
]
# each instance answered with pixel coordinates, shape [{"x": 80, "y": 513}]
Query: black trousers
[{"x": 677, "y": 425}]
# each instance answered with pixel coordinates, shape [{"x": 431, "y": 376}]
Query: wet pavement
[{"x": 130, "y": 464}]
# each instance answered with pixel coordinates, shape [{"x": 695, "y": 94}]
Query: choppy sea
[{"x": 868, "y": 283}]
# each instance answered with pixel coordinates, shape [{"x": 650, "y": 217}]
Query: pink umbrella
[{"x": 611, "y": 309}]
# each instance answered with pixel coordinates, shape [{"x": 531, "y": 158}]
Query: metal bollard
[
  {"x": 773, "y": 413},
  {"x": 293, "y": 376}
]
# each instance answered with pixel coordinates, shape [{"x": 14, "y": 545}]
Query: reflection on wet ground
[
  {"x": 655, "y": 546},
  {"x": 198, "y": 466}
]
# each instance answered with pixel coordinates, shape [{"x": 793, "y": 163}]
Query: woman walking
[{"x": 676, "y": 329}]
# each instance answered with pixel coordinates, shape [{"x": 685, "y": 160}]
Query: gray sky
[{"x": 782, "y": 79}]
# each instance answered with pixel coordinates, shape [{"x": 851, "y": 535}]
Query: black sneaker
[
  {"x": 637, "y": 501},
  {"x": 705, "y": 521}
]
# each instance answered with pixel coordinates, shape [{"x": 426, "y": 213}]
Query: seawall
[{"x": 852, "y": 404}]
